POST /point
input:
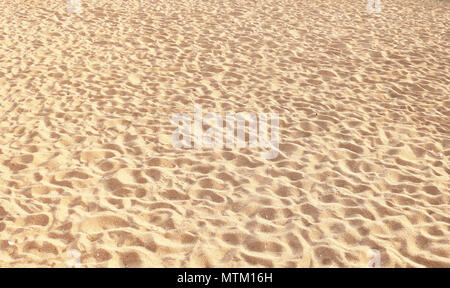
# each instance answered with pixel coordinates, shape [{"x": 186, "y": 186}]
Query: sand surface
[{"x": 88, "y": 173}]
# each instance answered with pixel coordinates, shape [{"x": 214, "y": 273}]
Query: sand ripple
[{"x": 86, "y": 161}]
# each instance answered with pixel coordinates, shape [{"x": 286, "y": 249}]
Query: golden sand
[{"x": 88, "y": 170}]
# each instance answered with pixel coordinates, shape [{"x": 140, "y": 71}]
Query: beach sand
[{"x": 89, "y": 176}]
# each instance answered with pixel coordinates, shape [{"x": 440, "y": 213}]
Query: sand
[{"x": 89, "y": 176}]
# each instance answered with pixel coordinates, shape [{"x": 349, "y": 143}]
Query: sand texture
[{"x": 88, "y": 173}]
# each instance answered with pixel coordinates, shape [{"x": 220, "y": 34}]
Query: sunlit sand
[{"x": 89, "y": 176}]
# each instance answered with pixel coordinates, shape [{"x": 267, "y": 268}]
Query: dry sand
[{"x": 86, "y": 161}]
